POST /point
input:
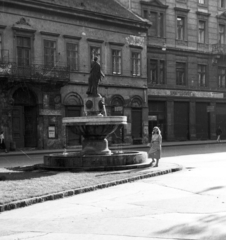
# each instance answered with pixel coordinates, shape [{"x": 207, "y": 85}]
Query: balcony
[
  {"x": 218, "y": 49},
  {"x": 35, "y": 72}
]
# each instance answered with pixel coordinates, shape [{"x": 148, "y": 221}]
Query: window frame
[
  {"x": 23, "y": 49},
  {"x": 202, "y": 74},
  {"x": 183, "y": 13},
  {"x": 221, "y": 34},
  {"x": 204, "y": 4},
  {"x": 220, "y": 85},
  {"x": 1, "y": 46},
  {"x": 158, "y": 71},
  {"x": 76, "y": 67},
  {"x": 55, "y": 52},
  {"x": 183, "y": 28},
  {"x": 161, "y": 30},
  {"x": 220, "y": 4},
  {"x": 202, "y": 34},
  {"x": 112, "y": 62},
  {"x": 136, "y": 74},
  {"x": 181, "y": 83}
]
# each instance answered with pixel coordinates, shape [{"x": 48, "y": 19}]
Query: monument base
[{"x": 95, "y": 147}]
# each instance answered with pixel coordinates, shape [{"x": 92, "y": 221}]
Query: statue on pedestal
[{"x": 95, "y": 77}]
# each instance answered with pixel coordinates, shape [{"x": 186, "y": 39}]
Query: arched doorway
[
  {"x": 24, "y": 118},
  {"x": 117, "y": 109},
  {"x": 73, "y": 105},
  {"x": 136, "y": 120}
]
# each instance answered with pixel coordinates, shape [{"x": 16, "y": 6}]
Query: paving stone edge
[{"x": 71, "y": 192}]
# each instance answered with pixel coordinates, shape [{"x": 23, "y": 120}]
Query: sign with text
[{"x": 184, "y": 93}]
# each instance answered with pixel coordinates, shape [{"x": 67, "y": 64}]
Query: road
[{"x": 185, "y": 205}]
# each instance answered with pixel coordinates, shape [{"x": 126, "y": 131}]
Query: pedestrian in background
[
  {"x": 2, "y": 141},
  {"x": 155, "y": 146},
  {"x": 218, "y": 132}
]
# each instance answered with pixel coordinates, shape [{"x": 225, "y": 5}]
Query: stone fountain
[{"x": 95, "y": 127}]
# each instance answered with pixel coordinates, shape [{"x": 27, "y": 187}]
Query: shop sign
[
  {"x": 118, "y": 109},
  {"x": 152, "y": 118},
  {"x": 49, "y": 112},
  {"x": 181, "y": 93}
]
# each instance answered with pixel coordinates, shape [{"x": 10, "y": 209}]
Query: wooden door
[
  {"x": 30, "y": 126},
  {"x": 18, "y": 126},
  {"x": 72, "y": 137}
]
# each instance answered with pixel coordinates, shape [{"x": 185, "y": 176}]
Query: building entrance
[
  {"x": 156, "y": 117},
  {"x": 181, "y": 120},
  {"x": 24, "y": 119},
  {"x": 202, "y": 121}
]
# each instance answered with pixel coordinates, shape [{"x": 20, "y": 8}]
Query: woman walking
[{"x": 155, "y": 146}]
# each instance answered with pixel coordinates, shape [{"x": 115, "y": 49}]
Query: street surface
[{"x": 185, "y": 205}]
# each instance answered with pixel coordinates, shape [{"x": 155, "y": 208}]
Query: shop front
[{"x": 186, "y": 115}]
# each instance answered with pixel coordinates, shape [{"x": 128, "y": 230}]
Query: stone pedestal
[
  {"x": 94, "y": 106},
  {"x": 95, "y": 147}
]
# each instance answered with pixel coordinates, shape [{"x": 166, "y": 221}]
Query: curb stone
[{"x": 72, "y": 192}]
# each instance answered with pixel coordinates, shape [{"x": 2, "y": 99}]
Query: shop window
[
  {"x": 49, "y": 53},
  {"x": 221, "y": 77},
  {"x": 72, "y": 56},
  {"x": 180, "y": 28},
  {"x": 180, "y": 73},
  {"x": 202, "y": 32},
  {"x": 116, "y": 61},
  {"x": 157, "y": 72},
  {"x": 202, "y": 75},
  {"x": 136, "y": 63}
]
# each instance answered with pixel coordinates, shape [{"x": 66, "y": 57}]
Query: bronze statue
[{"x": 95, "y": 77}]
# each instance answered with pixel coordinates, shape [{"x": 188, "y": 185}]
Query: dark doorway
[
  {"x": 24, "y": 119},
  {"x": 71, "y": 137},
  {"x": 221, "y": 118},
  {"x": 30, "y": 126},
  {"x": 181, "y": 121},
  {"x": 157, "y": 117},
  {"x": 202, "y": 121},
  {"x": 18, "y": 126}
]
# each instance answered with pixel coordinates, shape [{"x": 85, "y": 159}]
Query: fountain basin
[
  {"x": 95, "y": 130},
  {"x": 114, "y": 161}
]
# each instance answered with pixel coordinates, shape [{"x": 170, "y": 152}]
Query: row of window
[
  {"x": 24, "y": 50},
  {"x": 157, "y": 74},
  {"x": 158, "y": 23}
]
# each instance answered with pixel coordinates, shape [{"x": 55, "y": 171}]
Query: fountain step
[{"x": 119, "y": 160}]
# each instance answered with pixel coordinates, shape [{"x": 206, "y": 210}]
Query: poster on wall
[{"x": 52, "y": 132}]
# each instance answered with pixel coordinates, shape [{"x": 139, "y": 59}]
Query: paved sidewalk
[{"x": 112, "y": 147}]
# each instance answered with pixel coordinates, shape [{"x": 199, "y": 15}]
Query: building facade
[
  {"x": 186, "y": 66},
  {"x": 46, "y": 49}
]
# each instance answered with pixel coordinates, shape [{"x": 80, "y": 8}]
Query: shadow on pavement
[{"x": 199, "y": 227}]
